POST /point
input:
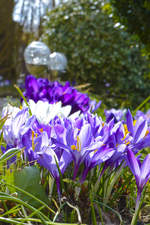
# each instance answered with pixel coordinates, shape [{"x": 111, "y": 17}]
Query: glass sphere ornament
[
  {"x": 57, "y": 64},
  {"x": 57, "y": 61},
  {"x": 36, "y": 57}
]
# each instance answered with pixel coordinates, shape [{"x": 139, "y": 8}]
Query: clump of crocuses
[
  {"x": 55, "y": 138},
  {"x": 45, "y": 90}
]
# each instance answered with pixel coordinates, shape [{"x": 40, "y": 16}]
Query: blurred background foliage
[
  {"x": 99, "y": 38},
  {"x": 135, "y": 15},
  {"x": 98, "y": 52}
]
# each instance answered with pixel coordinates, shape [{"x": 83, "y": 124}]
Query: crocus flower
[
  {"x": 9, "y": 111},
  {"x": 142, "y": 175},
  {"x": 50, "y": 157},
  {"x": 16, "y": 125},
  {"x": 137, "y": 133},
  {"x": 117, "y": 114},
  {"x": 42, "y": 89},
  {"x": 146, "y": 115},
  {"x": 95, "y": 158},
  {"x": 44, "y": 112},
  {"x": 127, "y": 134},
  {"x": 78, "y": 142},
  {"x": 140, "y": 171},
  {"x": 94, "y": 105}
]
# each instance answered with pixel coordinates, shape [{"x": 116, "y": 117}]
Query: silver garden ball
[
  {"x": 57, "y": 64},
  {"x": 57, "y": 61},
  {"x": 36, "y": 57}
]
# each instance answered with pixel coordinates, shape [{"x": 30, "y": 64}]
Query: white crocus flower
[
  {"x": 75, "y": 115},
  {"x": 11, "y": 111},
  {"x": 45, "y": 112}
]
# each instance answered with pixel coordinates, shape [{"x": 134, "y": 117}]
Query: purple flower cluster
[
  {"x": 84, "y": 142},
  {"x": 117, "y": 114},
  {"x": 45, "y": 90},
  {"x": 146, "y": 115}
]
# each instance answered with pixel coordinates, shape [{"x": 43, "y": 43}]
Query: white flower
[
  {"x": 11, "y": 111},
  {"x": 45, "y": 112},
  {"x": 75, "y": 115}
]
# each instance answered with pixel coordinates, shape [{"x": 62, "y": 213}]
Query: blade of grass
[
  {"x": 141, "y": 105},
  {"x": 25, "y": 100},
  {"x": 29, "y": 194},
  {"x": 33, "y": 213},
  {"x": 92, "y": 209},
  {"x": 100, "y": 215},
  {"x": 2, "y": 121},
  {"x": 77, "y": 211},
  {"x": 114, "y": 211},
  {"x": 60, "y": 174},
  {"x": 9, "y": 154},
  {"x": 14, "y": 199},
  {"x": 12, "y": 210},
  {"x": 10, "y": 221},
  {"x": 113, "y": 180},
  {"x": 49, "y": 223},
  {"x": 25, "y": 214}
]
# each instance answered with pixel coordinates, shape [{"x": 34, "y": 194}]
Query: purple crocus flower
[
  {"x": 95, "y": 158},
  {"x": 16, "y": 126},
  {"x": 142, "y": 175},
  {"x": 50, "y": 157},
  {"x": 115, "y": 141},
  {"x": 78, "y": 142},
  {"x": 127, "y": 135},
  {"x": 146, "y": 115},
  {"x": 117, "y": 114},
  {"x": 140, "y": 171},
  {"x": 42, "y": 89},
  {"x": 94, "y": 105},
  {"x": 137, "y": 133}
]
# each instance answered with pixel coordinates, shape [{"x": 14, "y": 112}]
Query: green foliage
[
  {"x": 29, "y": 180},
  {"x": 97, "y": 52},
  {"x": 135, "y": 15}
]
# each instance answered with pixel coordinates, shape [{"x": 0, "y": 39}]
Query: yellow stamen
[
  {"x": 33, "y": 147},
  {"x": 127, "y": 143},
  {"x": 78, "y": 147},
  {"x": 147, "y": 132},
  {"x": 33, "y": 135},
  {"x": 78, "y": 144},
  {"x": 126, "y": 130},
  {"x": 95, "y": 150},
  {"x": 134, "y": 122},
  {"x": 41, "y": 130},
  {"x": 73, "y": 147}
]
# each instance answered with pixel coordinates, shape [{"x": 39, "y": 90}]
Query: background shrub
[{"x": 98, "y": 52}]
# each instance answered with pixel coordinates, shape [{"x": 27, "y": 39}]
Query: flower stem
[
  {"x": 76, "y": 167},
  {"x": 137, "y": 209}
]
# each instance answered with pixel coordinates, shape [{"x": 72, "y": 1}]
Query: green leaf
[
  {"x": 9, "y": 154},
  {"x": 28, "y": 179},
  {"x": 2, "y": 121},
  {"x": 25, "y": 100},
  {"x": 9, "y": 177}
]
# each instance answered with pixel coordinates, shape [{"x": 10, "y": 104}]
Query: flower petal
[
  {"x": 133, "y": 164},
  {"x": 145, "y": 169},
  {"x": 85, "y": 136},
  {"x": 129, "y": 122}
]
